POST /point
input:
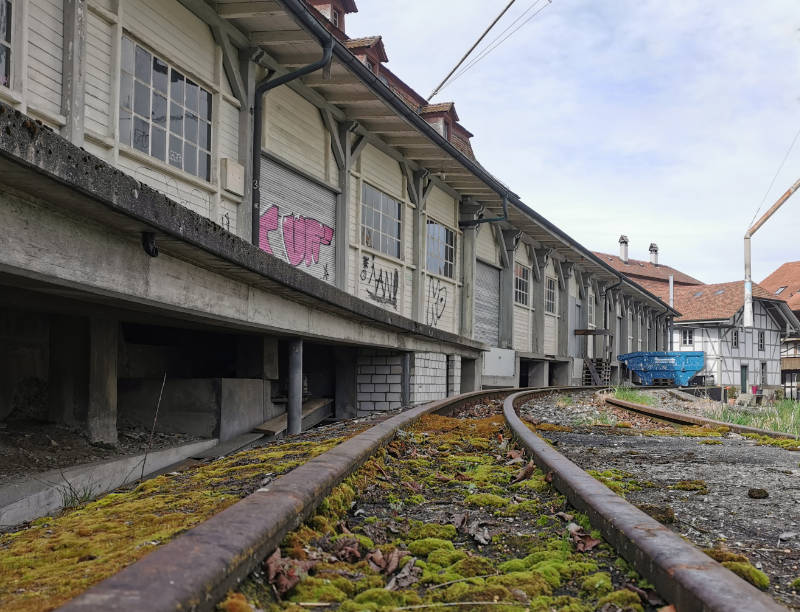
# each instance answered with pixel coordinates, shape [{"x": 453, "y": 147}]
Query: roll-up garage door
[
  {"x": 298, "y": 220},
  {"x": 487, "y": 304}
]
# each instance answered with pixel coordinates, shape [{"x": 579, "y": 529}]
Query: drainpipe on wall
[{"x": 262, "y": 87}]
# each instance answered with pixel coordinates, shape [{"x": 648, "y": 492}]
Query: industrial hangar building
[{"x": 352, "y": 250}]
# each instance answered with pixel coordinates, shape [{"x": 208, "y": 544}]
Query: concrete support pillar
[
  {"x": 74, "y": 70},
  {"x": 294, "y": 408},
  {"x": 346, "y": 405},
  {"x": 405, "y": 380},
  {"x": 538, "y": 373},
  {"x": 244, "y": 216},
  {"x": 102, "y": 410},
  {"x": 507, "y": 290},
  {"x": 470, "y": 375},
  {"x": 68, "y": 380}
]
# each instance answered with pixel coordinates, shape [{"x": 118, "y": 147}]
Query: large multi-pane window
[
  {"x": 440, "y": 255},
  {"x": 164, "y": 113},
  {"x": 550, "y": 296},
  {"x": 522, "y": 282},
  {"x": 381, "y": 217},
  {"x": 687, "y": 337},
  {"x": 6, "y": 28}
]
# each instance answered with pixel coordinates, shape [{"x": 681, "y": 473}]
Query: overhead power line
[
  {"x": 772, "y": 182},
  {"x": 471, "y": 49},
  {"x": 496, "y": 43}
]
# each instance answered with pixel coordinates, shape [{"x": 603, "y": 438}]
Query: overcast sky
[{"x": 665, "y": 121}]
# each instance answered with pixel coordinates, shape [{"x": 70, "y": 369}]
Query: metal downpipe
[{"x": 258, "y": 122}]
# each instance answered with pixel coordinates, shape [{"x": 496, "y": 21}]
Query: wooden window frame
[
  {"x": 435, "y": 263},
  {"x": 551, "y": 295},
  {"x": 762, "y": 341},
  {"x": 367, "y": 230},
  {"x": 522, "y": 284},
  {"x": 687, "y": 337},
  {"x": 129, "y": 77}
]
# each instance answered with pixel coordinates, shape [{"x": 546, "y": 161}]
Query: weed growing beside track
[
  {"x": 783, "y": 416},
  {"x": 632, "y": 395},
  {"x": 449, "y": 514},
  {"x": 55, "y": 558}
]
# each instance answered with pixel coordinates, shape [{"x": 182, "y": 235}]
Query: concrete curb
[
  {"x": 690, "y": 419},
  {"x": 688, "y": 578},
  {"x": 195, "y": 570},
  {"x": 42, "y": 494}
]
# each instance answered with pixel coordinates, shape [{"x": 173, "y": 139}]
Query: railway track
[{"x": 439, "y": 503}]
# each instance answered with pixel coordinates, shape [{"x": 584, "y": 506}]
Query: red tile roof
[
  {"x": 368, "y": 42},
  {"x": 646, "y": 270},
  {"x": 787, "y": 275},
  {"x": 714, "y": 302}
]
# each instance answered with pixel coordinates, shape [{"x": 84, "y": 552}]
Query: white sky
[{"x": 665, "y": 121}]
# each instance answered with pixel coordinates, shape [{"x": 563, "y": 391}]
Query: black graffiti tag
[
  {"x": 381, "y": 284},
  {"x": 436, "y": 302}
]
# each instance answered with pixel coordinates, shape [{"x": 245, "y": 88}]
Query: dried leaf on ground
[
  {"x": 525, "y": 473},
  {"x": 583, "y": 541},
  {"x": 516, "y": 453},
  {"x": 376, "y": 560},
  {"x": 478, "y": 532},
  {"x": 410, "y": 574},
  {"x": 549, "y": 477},
  {"x": 459, "y": 521},
  {"x": 284, "y": 574},
  {"x": 564, "y": 516}
]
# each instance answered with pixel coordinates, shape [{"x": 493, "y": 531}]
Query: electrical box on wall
[{"x": 232, "y": 176}]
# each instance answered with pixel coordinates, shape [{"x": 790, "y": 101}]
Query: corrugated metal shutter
[
  {"x": 298, "y": 220},
  {"x": 487, "y": 304}
]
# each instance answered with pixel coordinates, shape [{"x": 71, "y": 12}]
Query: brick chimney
[
  {"x": 654, "y": 253},
  {"x": 623, "y": 248}
]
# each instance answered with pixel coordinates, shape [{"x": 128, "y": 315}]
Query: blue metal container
[{"x": 676, "y": 365}]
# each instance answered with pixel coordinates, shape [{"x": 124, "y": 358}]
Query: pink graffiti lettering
[
  {"x": 267, "y": 223},
  {"x": 302, "y": 236}
]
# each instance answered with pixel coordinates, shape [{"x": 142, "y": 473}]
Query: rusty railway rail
[
  {"x": 194, "y": 571},
  {"x": 689, "y": 419}
]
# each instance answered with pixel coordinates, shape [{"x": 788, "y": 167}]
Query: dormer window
[
  {"x": 446, "y": 130},
  {"x": 371, "y": 65},
  {"x": 335, "y": 17}
]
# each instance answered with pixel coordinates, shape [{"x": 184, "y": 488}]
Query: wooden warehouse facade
[{"x": 380, "y": 265}]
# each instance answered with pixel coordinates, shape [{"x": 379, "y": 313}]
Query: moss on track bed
[
  {"x": 437, "y": 516},
  {"x": 55, "y": 558}
]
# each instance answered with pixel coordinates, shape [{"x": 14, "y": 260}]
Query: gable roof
[
  {"x": 714, "y": 302},
  {"x": 787, "y": 275},
  {"x": 646, "y": 270},
  {"x": 368, "y": 42}
]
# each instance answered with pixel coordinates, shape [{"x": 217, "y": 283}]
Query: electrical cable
[
  {"x": 774, "y": 178},
  {"x": 493, "y": 45}
]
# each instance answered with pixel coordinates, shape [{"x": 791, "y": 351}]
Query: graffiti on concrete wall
[
  {"x": 381, "y": 283},
  {"x": 298, "y": 240},
  {"x": 436, "y": 301}
]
